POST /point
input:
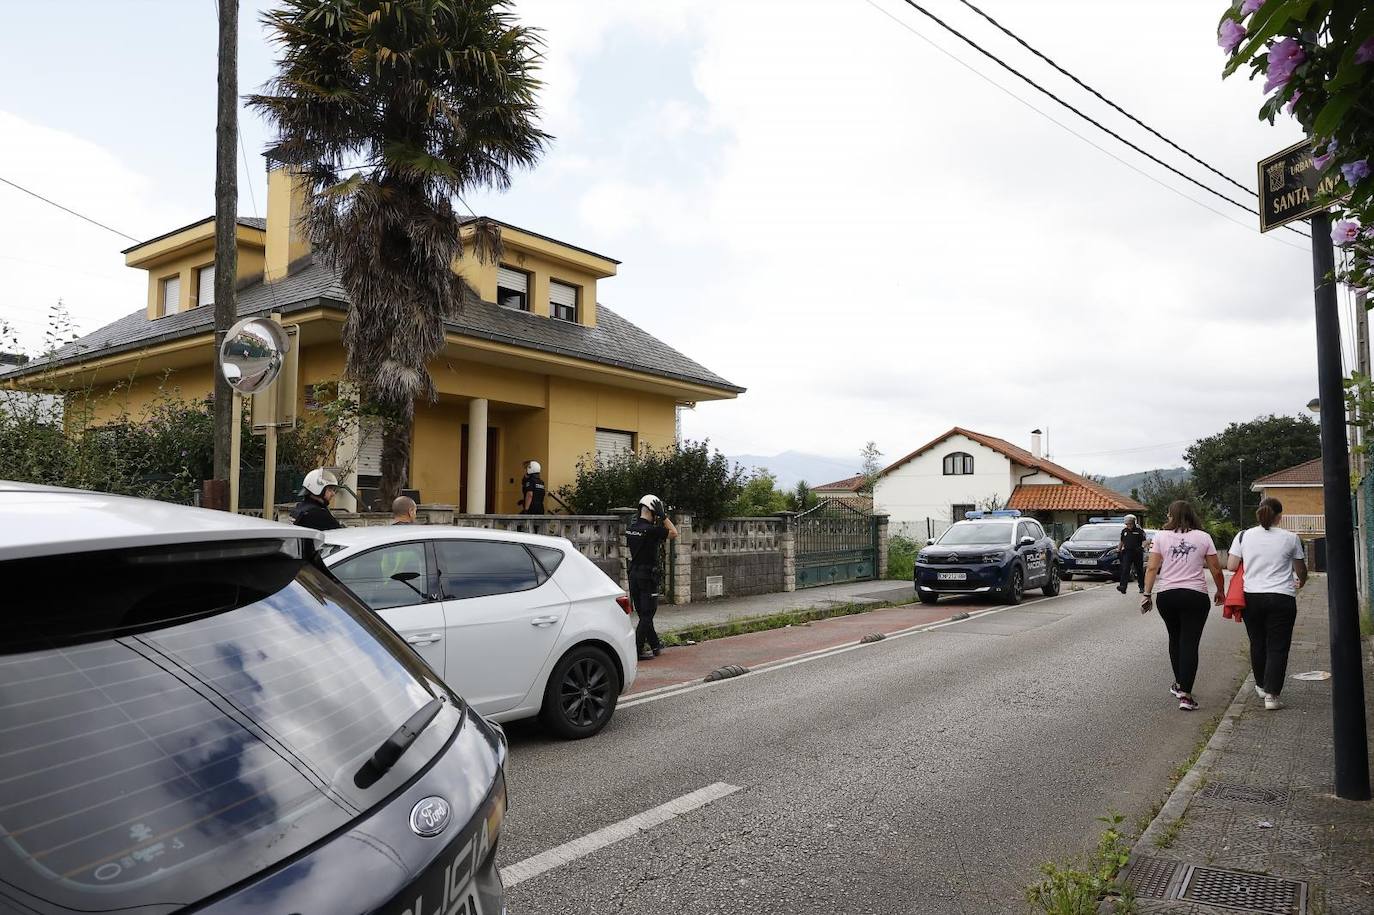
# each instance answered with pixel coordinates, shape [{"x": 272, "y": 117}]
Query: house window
[
  {"x": 205, "y": 285},
  {"x": 958, "y": 464},
  {"x": 171, "y": 295},
  {"x": 957, "y": 512},
  {"x": 610, "y": 443},
  {"x": 512, "y": 289},
  {"x": 562, "y": 301}
]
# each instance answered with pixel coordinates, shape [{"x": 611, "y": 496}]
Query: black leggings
[
  {"x": 1184, "y": 612},
  {"x": 1269, "y": 620},
  {"x": 1133, "y": 562},
  {"x": 644, "y": 598}
]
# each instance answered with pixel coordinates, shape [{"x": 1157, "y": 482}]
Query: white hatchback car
[{"x": 517, "y": 624}]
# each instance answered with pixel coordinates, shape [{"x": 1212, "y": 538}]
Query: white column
[
  {"x": 477, "y": 457},
  {"x": 346, "y": 452}
]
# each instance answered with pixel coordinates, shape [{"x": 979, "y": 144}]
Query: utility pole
[
  {"x": 1347, "y": 676},
  {"x": 226, "y": 220},
  {"x": 1240, "y": 494}
]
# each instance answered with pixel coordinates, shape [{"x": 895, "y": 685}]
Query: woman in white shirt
[{"x": 1275, "y": 568}]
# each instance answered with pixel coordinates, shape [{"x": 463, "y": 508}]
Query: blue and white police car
[{"x": 992, "y": 552}]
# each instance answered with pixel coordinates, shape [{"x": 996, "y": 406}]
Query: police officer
[
  {"x": 643, "y": 537},
  {"x": 1131, "y": 549},
  {"x": 317, "y": 491},
  {"x": 532, "y": 490}
]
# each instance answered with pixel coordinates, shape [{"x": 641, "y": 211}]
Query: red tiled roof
[
  {"x": 1308, "y": 473},
  {"x": 1105, "y": 498},
  {"x": 848, "y": 484},
  {"x": 1065, "y": 497}
]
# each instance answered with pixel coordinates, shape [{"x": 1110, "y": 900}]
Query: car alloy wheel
[
  {"x": 1051, "y": 584},
  {"x": 1016, "y": 587},
  {"x": 581, "y": 693}
]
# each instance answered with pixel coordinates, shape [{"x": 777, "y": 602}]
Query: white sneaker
[
  {"x": 1259, "y": 691},
  {"x": 1272, "y": 702}
]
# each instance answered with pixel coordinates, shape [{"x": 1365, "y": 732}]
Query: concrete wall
[{"x": 747, "y": 553}]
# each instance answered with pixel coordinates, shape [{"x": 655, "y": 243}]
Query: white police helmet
[
  {"x": 1131, "y": 518},
  {"x": 652, "y": 503},
  {"x": 316, "y": 481},
  {"x": 533, "y": 466}
]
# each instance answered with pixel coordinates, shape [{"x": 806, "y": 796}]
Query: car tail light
[{"x": 624, "y": 603}]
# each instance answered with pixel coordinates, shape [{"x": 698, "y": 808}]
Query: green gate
[{"x": 835, "y": 542}]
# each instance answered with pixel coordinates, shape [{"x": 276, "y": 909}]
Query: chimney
[
  {"x": 285, "y": 203},
  {"x": 1035, "y": 438}
]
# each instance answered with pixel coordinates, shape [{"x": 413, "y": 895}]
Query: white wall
[{"x": 919, "y": 488}]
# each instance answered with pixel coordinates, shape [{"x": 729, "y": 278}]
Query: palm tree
[{"x": 389, "y": 110}]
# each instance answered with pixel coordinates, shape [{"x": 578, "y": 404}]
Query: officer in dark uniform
[
  {"x": 643, "y": 537},
  {"x": 317, "y": 491},
  {"x": 1132, "y": 553},
  {"x": 532, "y": 490}
]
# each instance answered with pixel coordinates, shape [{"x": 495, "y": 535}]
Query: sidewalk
[
  {"x": 672, "y": 618},
  {"x": 1255, "y": 827}
]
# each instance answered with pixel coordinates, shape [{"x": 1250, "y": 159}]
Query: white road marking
[
  {"x": 568, "y": 852},
  {"x": 668, "y": 692}
]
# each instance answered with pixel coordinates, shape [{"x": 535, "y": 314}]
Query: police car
[
  {"x": 1092, "y": 551},
  {"x": 993, "y": 552}
]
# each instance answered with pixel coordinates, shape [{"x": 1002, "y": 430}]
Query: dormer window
[
  {"x": 205, "y": 285},
  {"x": 171, "y": 295},
  {"x": 958, "y": 464},
  {"x": 562, "y": 301},
  {"x": 512, "y": 288}
]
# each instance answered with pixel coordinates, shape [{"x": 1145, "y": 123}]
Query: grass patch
[
  {"x": 707, "y": 631},
  {"x": 1078, "y": 887},
  {"x": 1184, "y": 767},
  {"x": 1367, "y": 624},
  {"x": 1169, "y": 835}
]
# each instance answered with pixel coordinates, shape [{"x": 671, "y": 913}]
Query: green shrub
[
  {"x": 901, "y": 557},
  {"x": 691, "y": 478}
]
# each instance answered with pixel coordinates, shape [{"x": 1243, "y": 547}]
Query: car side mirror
[
  {"x": 1027, "y": 541},
  {"x": 930, "y": 541}
]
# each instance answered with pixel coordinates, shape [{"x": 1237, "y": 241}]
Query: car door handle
[
  {"x": 544, "y": 620},
  {"x": 424, "y": 638}
]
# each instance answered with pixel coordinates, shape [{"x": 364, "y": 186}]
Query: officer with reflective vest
[{"x": 644, "y": 536}]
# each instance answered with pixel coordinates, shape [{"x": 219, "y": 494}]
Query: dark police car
[
  {"x": 988, "y": 552},
  {"x": 196, "y": 714},
  {"x": 1092, "y": 550}
]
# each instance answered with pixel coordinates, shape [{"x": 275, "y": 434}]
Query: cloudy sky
[{"x": 810, "y": 197}]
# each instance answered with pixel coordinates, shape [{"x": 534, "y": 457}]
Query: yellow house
[{"x": 537, "y": 369}]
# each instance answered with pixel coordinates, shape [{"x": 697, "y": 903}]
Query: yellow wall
[
  {"x": 108, "y": 401},
  {"x": 542, "y": 268},
  {"x": 1305, "y": 500},
  {"x": 285, "y": 203},
  {"x": 187, "y": 265}
]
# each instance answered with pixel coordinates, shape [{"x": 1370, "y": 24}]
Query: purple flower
[
  {"x": 1284, "y": 58},
  {"x": 1293, "y": 102},
  {"x": 1230, "y": 35},
  {"x": 1365, "y": 53},
  {"x": 1321, "y": 160},
  {"x": 1345, "y": 232},
  {"x": 1355, "y": 172},
  {"x": 1250, "y": 6}
]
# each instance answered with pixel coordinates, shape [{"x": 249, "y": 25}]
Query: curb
[{"x": 1182, "y": 795}]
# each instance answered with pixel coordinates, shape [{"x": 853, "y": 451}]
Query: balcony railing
[{"x": 1304, "y": 524}]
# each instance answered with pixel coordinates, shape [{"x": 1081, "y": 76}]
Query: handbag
[{"x": 1234, "y": 606}]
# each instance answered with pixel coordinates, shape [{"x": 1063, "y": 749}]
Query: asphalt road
[{"x": 927, "y": 774}]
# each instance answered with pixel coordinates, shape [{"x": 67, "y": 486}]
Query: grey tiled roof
[{"x": 614, "y": 341}]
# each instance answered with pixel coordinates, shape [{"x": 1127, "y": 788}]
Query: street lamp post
[{"x": 1240, "y": 494}]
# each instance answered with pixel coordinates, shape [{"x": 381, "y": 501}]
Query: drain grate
[
  {"x": 1153, "y": 878},
  {"x": 1244, "y": 794},
  {"x": 1252, "y": 892}
]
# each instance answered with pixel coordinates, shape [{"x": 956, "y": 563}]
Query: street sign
[{"x": 1291, "y": 188}]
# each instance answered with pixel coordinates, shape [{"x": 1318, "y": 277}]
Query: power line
[
  {"x": 1023, "y": 43},
  {"x": 1091, "y": 120},
  {"x": 67, "y": 209},
  {"x": 1069, "y": 130}
]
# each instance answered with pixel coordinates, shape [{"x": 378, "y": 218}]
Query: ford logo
[{"x": 430, "y": 816}]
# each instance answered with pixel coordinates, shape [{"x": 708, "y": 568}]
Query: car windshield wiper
[{"x": 400, "y": 740}]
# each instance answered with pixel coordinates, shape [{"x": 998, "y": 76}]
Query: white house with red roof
[{"x": 962, "y": 470}]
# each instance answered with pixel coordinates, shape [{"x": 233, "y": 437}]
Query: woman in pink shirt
[{"x": 1180, "y": 557}]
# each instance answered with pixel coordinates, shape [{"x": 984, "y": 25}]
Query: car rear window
[{"x": 171, "y": 727}]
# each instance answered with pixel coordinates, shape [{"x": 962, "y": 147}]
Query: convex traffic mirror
[{"x": 253, "y": 353}]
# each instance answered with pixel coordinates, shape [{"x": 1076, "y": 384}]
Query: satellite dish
[{"x": 253, "y": 353}]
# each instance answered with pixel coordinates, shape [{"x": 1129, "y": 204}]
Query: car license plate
[
  {"x": 1087, "y": 562},
  {"x": 953, "y": 576}
]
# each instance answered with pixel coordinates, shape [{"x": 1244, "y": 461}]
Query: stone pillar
[
  {"x": 618, "y": 546},
  {"x": 477, "y": 457},
  {"x": 787, "y": 543},
  {"x": 881, "y": 522},
  {"x": 682, "y": 562},
  {"x": 346, "y": 452}
]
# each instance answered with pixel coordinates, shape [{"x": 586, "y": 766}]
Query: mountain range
[{"x": 1128, "y": 481}]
